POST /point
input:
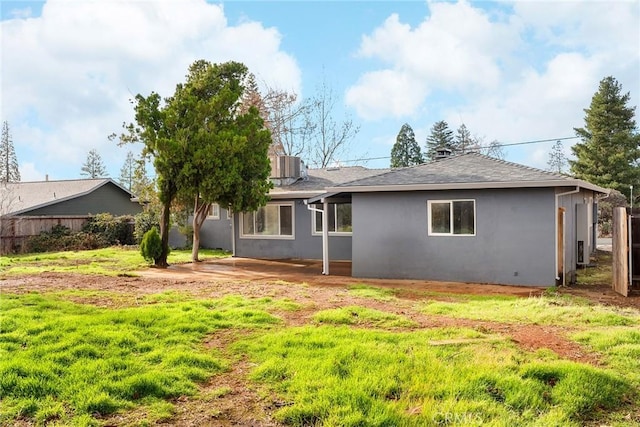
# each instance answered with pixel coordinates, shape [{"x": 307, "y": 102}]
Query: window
[
  {"x": 452, "y": 217},
  {"x": 339, "y": 219},
  {"x": 270, "y": 221},
  {"x": 214, "y": 211}
]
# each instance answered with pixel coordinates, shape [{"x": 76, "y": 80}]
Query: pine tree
[
  {"x": 441, "y": 137},
  {"x": 93, "y": 167},
  {"x": 557, "y": 160},
  {"x": 608, "y": 154},
  {"x": 406, "y": 151},
  {"x": 463, "y": 142},
  {"x": 9, "y": 171},
  {"x": 127, "y": 172}
]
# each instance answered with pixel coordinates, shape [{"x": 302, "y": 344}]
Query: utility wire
[{"x": 537, "y": 141}]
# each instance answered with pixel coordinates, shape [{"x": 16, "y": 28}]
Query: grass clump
[
  {"x": 67, "y": 361},
  {"x": 373, "y": 292},
  {"x": 354, "y": 315},
  {"x": 341, "y": 376},
  {"x": 619, "y": 346},
  {"x": 112, "y": 261},
  {"x": 543, "y": 310}
]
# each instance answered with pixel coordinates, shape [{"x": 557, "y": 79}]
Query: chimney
[{"x": 443, "y": 153}]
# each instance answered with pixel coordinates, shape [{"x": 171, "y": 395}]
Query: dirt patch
[{"x": 230, "y": 398}]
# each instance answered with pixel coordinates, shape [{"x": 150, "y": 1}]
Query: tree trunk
[
  {"x": 196, "y": 238},
  {"x": 199, "y": 214},
  {"x": 161, "y": 261}
]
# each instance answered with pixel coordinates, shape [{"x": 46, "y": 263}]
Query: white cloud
[
  {"x": 68, "y": 74},
  {"x": 455, "y": 48},
  {"x": 511, "y": 72},
  {"x": 28, "y": 172}
]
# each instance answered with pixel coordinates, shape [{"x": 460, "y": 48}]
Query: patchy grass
[
  {"x": 67, "y": 362},
  {"x": 619, "y": 346},
  {"x": 600, "y": 274},
  {"x": 355, "y": 315},
  {"x": 330, "y": 376},
  {"x": 542, "y": 310},
  {"x": 113, "y": 261},
  {"x": 373, "y": 292}
]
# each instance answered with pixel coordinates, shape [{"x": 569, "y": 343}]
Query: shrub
[
  {"x": 115, "y": 230},
  {"x": 151, "y": 245},
  {"x": 60, "y": 238},
  {"x": 144, "y": 222}
]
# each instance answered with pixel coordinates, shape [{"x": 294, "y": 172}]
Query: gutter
[{"x": 555, "y": 214}]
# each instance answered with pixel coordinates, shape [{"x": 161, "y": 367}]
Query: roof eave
[
  {"x": 468, "y": 186},
  {"x": 295, "y": 194}
]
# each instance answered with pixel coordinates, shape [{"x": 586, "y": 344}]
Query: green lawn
[
  {"x": 65, "y": 359},
  {"x": 108, "y": 261}
]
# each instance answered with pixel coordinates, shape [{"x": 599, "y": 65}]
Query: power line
[{"x": 537, "y": 141}]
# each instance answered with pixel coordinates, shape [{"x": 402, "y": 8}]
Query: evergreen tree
[
  {"x": 608, "y": 153},
  {"x": 93, "y": 167},
  {"x": 406, "y": 151},
  {"x": 557, "y": 160},
  {"x": 127, "y": 172},
  {"x": 205, "y": 148},
  {"x": 9, "y": 171},
  {"x": 463, "y": 142},
  {"x": 441, "y": 137}
]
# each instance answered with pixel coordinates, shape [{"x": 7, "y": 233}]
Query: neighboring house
[{"x": 27, "y": 208}]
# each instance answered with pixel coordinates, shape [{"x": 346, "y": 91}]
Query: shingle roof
[
  {"x": 319, "y": 179},
  {"x": 470, "y": 170},
  {"x": 20, "y": 197}
]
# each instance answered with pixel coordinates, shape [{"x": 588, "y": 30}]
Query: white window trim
[
  {"x": 214, "y": 215},
  {"x": 272, "y": 237},
  {"x": 450, "y": 234},
  {"x": 314, "y": 232}
]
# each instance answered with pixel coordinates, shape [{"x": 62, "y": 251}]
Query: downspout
[
  {"x": 555, "y": 214},
  {"x": 325, "y": 235}
]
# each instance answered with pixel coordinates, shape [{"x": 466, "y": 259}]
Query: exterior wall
[
  {"x": 569, "y": 203},
  {"x": 216, "y": 233},
  {"x": 303, "y": 246},
  {"x": 107, "y": 198},
  {"x": 514, "y": 241}
]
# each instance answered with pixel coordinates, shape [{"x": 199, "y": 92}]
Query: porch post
[{"x": 325, "y": 237}]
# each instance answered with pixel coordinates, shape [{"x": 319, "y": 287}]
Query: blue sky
[{"x": 511, "y": 71}]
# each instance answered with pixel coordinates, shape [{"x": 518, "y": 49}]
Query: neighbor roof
[
  {"x": 22, "y": 197},
  {"x": 317, "y": 180},
  {"x": 465, "y": 171}
]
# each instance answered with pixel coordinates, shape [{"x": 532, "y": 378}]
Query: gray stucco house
[
  {"x": 28, "y": 208},
  {"x": 68, "y": 197},
  {"x": 465, "y": 218}
]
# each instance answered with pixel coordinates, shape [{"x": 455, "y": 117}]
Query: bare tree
[
  {"x": 287, "y": 119},
  {"x": 329, "y": 138}
]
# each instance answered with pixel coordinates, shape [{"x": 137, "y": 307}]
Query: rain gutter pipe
[{"x": 325, "y": 234}]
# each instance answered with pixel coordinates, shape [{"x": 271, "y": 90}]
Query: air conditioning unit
[{"x": 285, "y": 167}]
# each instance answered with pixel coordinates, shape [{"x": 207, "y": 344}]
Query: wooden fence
[
  {"x": 14, "y": 231},
  {"x": 620, "y": 247}
]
